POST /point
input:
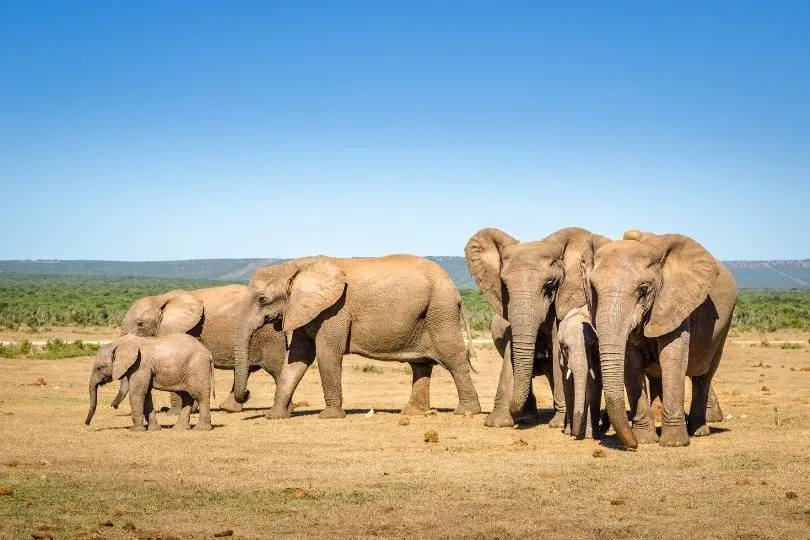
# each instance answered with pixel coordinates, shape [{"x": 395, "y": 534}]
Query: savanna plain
[{"x": 374, "y": 474}]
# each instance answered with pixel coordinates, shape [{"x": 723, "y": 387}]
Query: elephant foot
[
  {"x": 332, "y": 412},
  {"x": 499, "y": 419},
  {"x": 645, "y": 435},
  {"x": 230, "y": 405},
  {"x": 180, "y": 426},
  {"x": 700, "y": 431},
  {"x": 473, "y": 408},
  {"x": 138, "y": 427},
  {"x": 567, "y": 430},
  {"x": 558, "y": 422},
  {"x": 278, "y": 413},
  {"x": 203, "y": 426},
  {"x": 674, "y": 436},
  {"x": 154, "y": 427},
  {"x": 411, "y": 409},
  {"x": 714, "y": 414}
]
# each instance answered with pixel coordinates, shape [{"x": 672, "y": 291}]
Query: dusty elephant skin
[
  {"x": 174, "y": 363},
  {"x": 659, "y": 299},
  {"x": 399, "y": 307},
  {"x": 531, "y": 285},
  {"x": 212, "y": 316},
  {"x": 579, "y": 359}
]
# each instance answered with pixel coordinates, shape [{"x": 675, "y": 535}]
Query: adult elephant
[
  {"x": 531, "y": 285},
  {"x": 212, "y": 316},
  {"x": 659, "y": 299},
  {"x": 398, "y": 307}
]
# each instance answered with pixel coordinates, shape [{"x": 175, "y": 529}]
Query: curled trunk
[
  {"x": 93, "y": 402},
  {"x": 122, "y": 392},
  {"x": 248, "y": 326}
]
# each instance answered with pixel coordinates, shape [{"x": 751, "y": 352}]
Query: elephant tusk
[
  {"x": 593, "y": 375},
  {"x": 568, "y": 374}
]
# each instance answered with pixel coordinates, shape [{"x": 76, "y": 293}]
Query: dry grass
[{"x": 371, "y": 476}]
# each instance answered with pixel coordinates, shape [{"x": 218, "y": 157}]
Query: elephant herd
[{"x": 630, "y": 317}]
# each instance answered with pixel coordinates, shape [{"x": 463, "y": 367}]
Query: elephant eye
[
  {"x": 643, "y": 290},
  {"x": 549, "y": 287},
  {"x": 263, "y": 300}
]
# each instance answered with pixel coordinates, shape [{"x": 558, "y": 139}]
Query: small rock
[
  {"x": 792, "y": 495},
  {"x": 223, "y": 534},
  {"x": 765, "y": 389},
  {"x": 13, "y": 463},
  {"x": 617, "y": 502},
  {"x": 729, "y": 417},
  {"x": 404, "y": 421},
  {"x": 298, "y": 493},
  {"x": 39, "y": 382},
  {"x": 5, "y": 491},
  {"x": 129, "y": 526},
  {"x": 431, "y": 436},
  {"x": 106, "y": 524},
  {"x": 598, "y": 453},
  {"x": 370, "y": 413}
]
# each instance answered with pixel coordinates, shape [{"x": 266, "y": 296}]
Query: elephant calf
[
  {"x": 175, "y": 363},
  {"x": 579, "y": 358}
]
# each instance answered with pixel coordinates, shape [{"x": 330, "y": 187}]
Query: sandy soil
[{"x": 370, "y": 476}]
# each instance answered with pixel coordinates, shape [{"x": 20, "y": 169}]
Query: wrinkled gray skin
[
  {"x": 212, "y": 316},
  {"x": 530, "y": 285},
  {"x": 399, "y": 307},
  {"x": 579, "y": 358},
  {"x": 174, "y": 363},
  {"x": 659, "y": 299}
]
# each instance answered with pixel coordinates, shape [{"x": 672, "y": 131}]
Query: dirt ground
[{"x": 371, "y": 476}]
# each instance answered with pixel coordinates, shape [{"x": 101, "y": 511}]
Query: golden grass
[{"x": 370, "y": 476}]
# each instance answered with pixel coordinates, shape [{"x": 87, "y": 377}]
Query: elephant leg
[
  {"x": 149, "y": 412},
  {"x": 420, "y": 388},
  {"x": 330, "y": 367},
  {"x": 203, "y": 398},
  {"x": 702, "y": 394},
  {"x": 185, "y": 411},
  {"x": 673, "y": 354},
  {"x": 557, "y": 388},
  {"x": 299, "y": 357},
  {"x": 593, "y": 408},
  {"x": 176, "y": 403},
  {"x": 637, "y": 395},
  {"x": 500, "y": 417},
  {"x": 137, "y": 398},
  {"x": 713, "y": 411},
  {"x": 529, "y": 412}
]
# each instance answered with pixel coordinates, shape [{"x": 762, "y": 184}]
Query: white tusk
[
  {"x": 593, "y": 376},
  {"x": 568, "y": 375}
]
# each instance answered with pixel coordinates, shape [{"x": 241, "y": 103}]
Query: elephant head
[
  {"x": 289, "y": 295},
  {"x": 523, "y": 281},
  {"x": 644, "y": 283},
  {"x": 174, "y": 312},
  {"x": 113, "y": 362},
  {"x": 578, "y": 354}
]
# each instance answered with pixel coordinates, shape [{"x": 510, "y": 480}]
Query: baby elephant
[
  {"x": 579, "y": 357},
  {"x": 174, "y": 363}
]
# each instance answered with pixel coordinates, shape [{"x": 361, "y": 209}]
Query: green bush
[{"x": 52, "y": 350}]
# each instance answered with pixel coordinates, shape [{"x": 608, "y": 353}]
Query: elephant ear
[
  {"x": 576, "y": 245},
  {"x": 124, "y": 356},
  {"x": 688, "y": 272},
  {"x": 312, "y": 288},
  {"x": 182, "y": 311},
  {"x": 483, "y": 254}
]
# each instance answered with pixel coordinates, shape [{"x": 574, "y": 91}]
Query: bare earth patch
[{"x": 367, "y": 476}]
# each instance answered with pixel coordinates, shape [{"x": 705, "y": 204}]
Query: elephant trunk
[
  {"x": 580, "y": 384},
  {"x": 241, "y": 362},
  {"x": 122, "y": 392},
  {"x": 611, "y": 353},
  {"x": 93, "y": 401},
  {"x": 526, "y": 312}
]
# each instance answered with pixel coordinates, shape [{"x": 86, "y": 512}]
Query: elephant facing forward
[
  {"x": 212, "y": 316},
  {"x": 659, "y": 299},
  {"x": 399, "y": 307}
]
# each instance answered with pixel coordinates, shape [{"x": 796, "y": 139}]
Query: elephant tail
[
  {"x": 213, "y": 386},
  {"x": 465, "y": 320}
]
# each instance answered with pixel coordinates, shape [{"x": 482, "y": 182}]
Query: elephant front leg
[
  {"x": 137, "y": 398},
  {"x": 500, "y": 416},
  {"x": 557, "y": 387},
  {"x": 299, "y": 357},
  {"x": 636, "y": 385},
  {"x": 673, "y": 353},
  {"x": 420, "y": 388},
  {"x": 330, "y": 367},
  {"x": 149, "y": 411}
]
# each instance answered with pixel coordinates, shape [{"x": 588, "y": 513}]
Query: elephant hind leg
[
  {"x": 704, "y": 400},
  {"x": 713, "y": 411},
  {"x": 185, "y": 411},
  {"x": 419, "y": 401}
]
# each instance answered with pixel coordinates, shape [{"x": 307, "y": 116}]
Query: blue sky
[{"x": 174, "y": 130}]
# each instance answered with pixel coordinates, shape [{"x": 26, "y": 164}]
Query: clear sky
[{"x": 174, "y": 130}]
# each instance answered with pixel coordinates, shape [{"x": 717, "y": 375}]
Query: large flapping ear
[
  {"x": 124, "y": 356},
  {"x": 315, "y": 286},
  {"x": 574, "y": 244},
  {"x": 688, "y": 272},
  {"x": 181, "y": 312},
  {"x": 483, "y": 254}
]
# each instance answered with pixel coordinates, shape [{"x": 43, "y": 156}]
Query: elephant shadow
[
  {"x": 349, "y": 412},
  {"x": 169, "y": 427}
]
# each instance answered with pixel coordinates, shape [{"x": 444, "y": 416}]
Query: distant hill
[{"x": 749, "y": 274}]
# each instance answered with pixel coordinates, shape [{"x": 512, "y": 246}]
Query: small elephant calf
[
  {"x": 174, "y": 363},
  {"x": 579, "y": 358}
]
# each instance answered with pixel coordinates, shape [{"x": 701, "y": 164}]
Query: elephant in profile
[
  {"x": 531, "y": 285},
  {"x": 399, "y": 307},
  {"x": 212, "y": 316},
  {"x": 175, "y": 363},
  {"x": 659, "y": 299}
]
